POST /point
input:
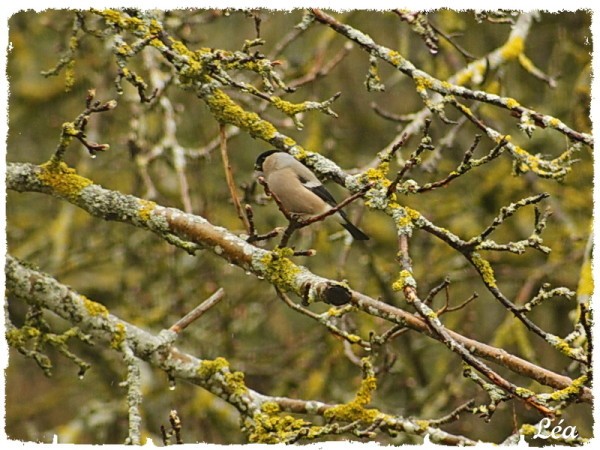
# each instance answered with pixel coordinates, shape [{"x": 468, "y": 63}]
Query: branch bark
[{"x": 191, "y": 233}]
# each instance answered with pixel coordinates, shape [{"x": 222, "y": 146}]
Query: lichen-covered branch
[
  {"x": 454, "y": 87},
  {"x": 193, "y": 233},
  {"x": 261, "y": 414}
]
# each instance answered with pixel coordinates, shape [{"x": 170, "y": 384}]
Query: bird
[{"x": 299, "y": 190}]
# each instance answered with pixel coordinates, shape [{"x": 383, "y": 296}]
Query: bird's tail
[
  {"x": 352, "y": 229},
  {"x": 355, "y": 231}
]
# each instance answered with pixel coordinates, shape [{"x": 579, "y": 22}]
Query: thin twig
[
  {"x": 454, "y": 415},
  {"x": 468, "y": 56},
  {"x": 436, "y": 290},
  {"x": 434, "y": 323},
  {"x": 446, "y": 308},
  {"x": 229, "y": 178},
  {"x": 198, "y": 311},
  {"x": 323, "y": 319},
  {"x": 321, "y": 71}
]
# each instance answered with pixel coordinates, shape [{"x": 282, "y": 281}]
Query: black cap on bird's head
[{"x": 258, "y": 165}]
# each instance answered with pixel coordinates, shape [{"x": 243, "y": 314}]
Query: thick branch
[
  {"x": 192, "y": 232},
  {"x": 37, "y": 288}
]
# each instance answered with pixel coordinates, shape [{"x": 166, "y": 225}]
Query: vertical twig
[
  {"x": 134, "y": 396},
  {"x": 229, "y": 178}
]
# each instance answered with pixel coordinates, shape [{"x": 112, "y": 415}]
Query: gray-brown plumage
[{"x": 299, "y": 190}]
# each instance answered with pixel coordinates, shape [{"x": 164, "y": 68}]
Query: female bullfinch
[{"x": 299, "y": 190}]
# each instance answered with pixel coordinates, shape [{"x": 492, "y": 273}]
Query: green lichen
[
  {"x": 227, "y": 111},
  {"x": 119, "y": 336},
  {"x": 94, "y": 308},
  {"x": 485, "y": 269},
  {"x": 355, "y": 409},
  {"x": 63, "y": 179},
  {"x": 279, "y": 269}
]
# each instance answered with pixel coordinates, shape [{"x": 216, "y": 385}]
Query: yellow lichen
[
  {"x": 146, "y": 208},
  {"x": 355, "y": 410},
  {"x": 355, "y": 339},
  {"x": 572, "y": 390},
  {"x": 70, "y": 75},
  {"x": 62, "y": 179},
  {"x": 422, "y": 83},
  {"x": 413, "y": 214},
  {"x": 526, "y": 160},
  {"x": 377, "y": 175},
  {"x": 512, "y": 103},
  {"x": 288, "y": 108},
  {"x": 18, "y": 337},
  {"x": 404, "y": 279},
  {"x": 209, "y": 367},
  {"x": 563, "y": 347},
  {"x": 280, "y": 270},
  {"x": 274, "y": 429},
  {"x": 485, "y": 269},
  {"x": 513, "y": 48},
  {"x": 403, "y": 220},
  {"x": 235, "y": 383},
  {"x": 395, "y": 58},
  {"x": 292, "y": 143},
  {"x": 586, "y": 280},
  {"x": 270, "y": 408},
  {"x": 227, "y": 111},
  {"x": 118, "y": 337},
  {"x": 121, "y": 20},
  {"x": 422, "y": 424},
  {"x": 94, "y": 308},
  {"x": 526, "y": 63},
  {"x": 524, "y": 393},
  {"x": 473, "y": 71},
  {"x": 528, "y": 429},
  {"x": 554, "y": 122}
]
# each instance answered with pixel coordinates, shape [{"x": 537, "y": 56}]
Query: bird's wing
[{"x": 318, "y": 189}]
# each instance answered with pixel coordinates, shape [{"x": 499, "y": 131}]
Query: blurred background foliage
[{"x": 149, "y": 283}]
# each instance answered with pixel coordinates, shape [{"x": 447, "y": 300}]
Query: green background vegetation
[{"x": 149, "y": 283}]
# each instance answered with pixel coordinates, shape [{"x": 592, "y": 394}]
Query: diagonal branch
[{"x": 192, "y": 232}]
